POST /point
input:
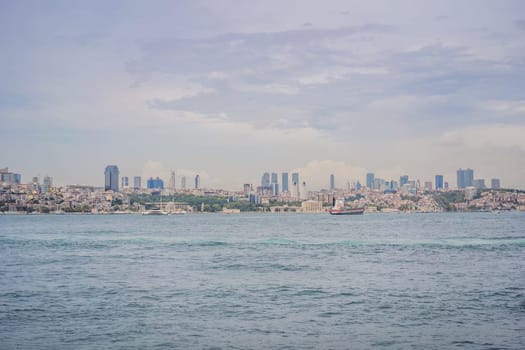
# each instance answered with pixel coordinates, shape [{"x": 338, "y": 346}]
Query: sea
[{"x": 263, "y": 281}]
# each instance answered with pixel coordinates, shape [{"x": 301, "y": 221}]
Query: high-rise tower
[
  {"x": 284, "y": 183},
  {"x": 111, "y": 178},
  {"x": 465, "y": 177},
  {"x": 370, "y": 179}
]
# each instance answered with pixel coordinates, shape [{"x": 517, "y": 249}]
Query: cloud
[
  {"x": 503, "y": 107},
  {"x": 480, "y": 137},
  {"x": 337, "y": 73}
]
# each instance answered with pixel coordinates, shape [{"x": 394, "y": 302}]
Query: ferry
[
  {"x": 340, "y": 209},
  {"x": 154, "y": 212}
]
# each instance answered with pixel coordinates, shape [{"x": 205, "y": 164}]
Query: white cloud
[
  {"x": 338, "y": 73},
  {"x": 504, "y": 107}
]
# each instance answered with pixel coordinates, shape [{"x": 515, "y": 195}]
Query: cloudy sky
[{"x": 231, "y": 89}]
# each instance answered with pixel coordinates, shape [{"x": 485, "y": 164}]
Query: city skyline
[
  {"x": 229, "y": 90},
  {"x": 112, "y": 177}
]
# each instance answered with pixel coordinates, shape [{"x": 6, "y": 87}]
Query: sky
[{"x": 231, "y": 89}]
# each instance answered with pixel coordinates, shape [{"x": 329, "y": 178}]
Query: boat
[
  {"x": 339, "y": 208},
  {"x": 154, "y": 212}
]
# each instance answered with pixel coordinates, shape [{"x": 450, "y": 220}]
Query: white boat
[{"x": 154, "y": 212}]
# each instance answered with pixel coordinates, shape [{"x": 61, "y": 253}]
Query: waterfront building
[
  {"x": 465, "y": 177},
  {"x": 156, "y": 183},
  {"x": 284, "y": 183},
  {"x": 495, "y": 184},
  {"x": 247, "y": 189},
  {"x": 111, "y": 178},
  {"x": 332, "y": 182},
  {"x": 137, "y": 182},
  {"x": 311, "y": 206},
  {"x": 370, "y": 181},
  {"x": 439, "y": 182},
  {"x": 197, "y": 182}
]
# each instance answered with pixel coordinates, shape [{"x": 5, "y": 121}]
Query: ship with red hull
[
  {"x": 340, "y": 209},
  {"x": 347, "y": 211}
]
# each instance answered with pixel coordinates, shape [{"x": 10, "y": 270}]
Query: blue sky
[{"x": 231, "y": 89}]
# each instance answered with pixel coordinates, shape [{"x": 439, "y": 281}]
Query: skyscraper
[
  {"x": 125, "y": 181},
  {"x": 495, "y": 183},
  {"x": 332, "y": 182},
  {"x": 183, "y": 182},
  {"x": 265, "y": 180},
  {"x": 275, "y": 184},
  {"x": 171, "y": 183},
  {"x": 439, "y": 182},
  {"x": 111, "y": 178},
  {"x": 137, "y": 182},
  {"x": 48, "y": 183},
  {"x": 295, "y": 185},
  {"x": 295, "y": 178},
  {"x": 285, "y": 182},
  {"x": 197, "y": 181},
  {"x": 370, "y": 181},
  {"x": 465, "y": 177},
  {"x": 155, "y": 183},
  {"x": 403, "y": 180}
]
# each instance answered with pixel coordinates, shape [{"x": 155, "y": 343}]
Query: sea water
[{"x": 263, "y": 281}]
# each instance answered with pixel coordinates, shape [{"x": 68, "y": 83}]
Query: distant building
[
  {"x": 295, "y": 183},
  {"x": 284, "y": 182},
  {"x": 495, "y": 184},
  {"x": 358, "y": 186},
  {"x": 183, "y": 182},
  {"x": 137, "y": 182},
  {"x": 428, "y": 185},
  {"x": 247, "y": 189},
  {"x": 125, "y": 182},
  {"x": 10, "y": 178},
  {"x": 156, "y": 183},
  {"x": 311, "y": 206},
  {"x": 332, "y": 182},
  {"x": 479, "y": 184},
  {"x": 275, "y": 184},
  {"x": 171, "y": 184},
  {"x": 265, "y": 180},
  {"x": 197, "y": 181},
  {"x": 111, "y": 178},
  {"x": 403, "y": 180},
  {"x": 370, "y": 181},
  {"x": 47, "y": 184},
  {"x": 439, "y": 182},
  {"x": 465, "y": 178}
]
